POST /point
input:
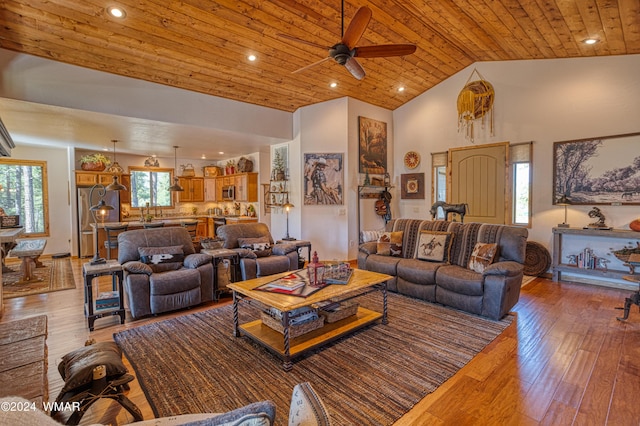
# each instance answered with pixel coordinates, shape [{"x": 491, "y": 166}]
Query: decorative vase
[
  {"x": 94, "y": 167},
  {"x": 635, "y": 225}
]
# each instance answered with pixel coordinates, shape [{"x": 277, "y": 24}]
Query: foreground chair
[{"x": 162, "y": 271}]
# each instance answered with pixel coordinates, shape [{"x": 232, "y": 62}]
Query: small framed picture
[{"x": 412, "y": 186}]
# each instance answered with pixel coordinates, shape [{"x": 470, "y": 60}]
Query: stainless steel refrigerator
[{"x": 85, "y": 218}]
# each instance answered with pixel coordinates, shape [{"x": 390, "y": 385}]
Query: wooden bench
[
  {"x": 29, "y": 251},
  {"x": 23, "y": 359}
]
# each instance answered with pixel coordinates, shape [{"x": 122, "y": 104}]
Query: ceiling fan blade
[
  {"x": 310, "y": 43},
  {"x": 384, "y": 50},
  {"x": 357, "y": 27},
  {"x": 311, "y": 65},
  {"x": 354, "y": 68}
]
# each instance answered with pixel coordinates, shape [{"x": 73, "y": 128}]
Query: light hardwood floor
[{"x": 565, "y": 360}]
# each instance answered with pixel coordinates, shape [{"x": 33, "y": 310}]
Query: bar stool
[
  {"x": 111, "y": 242},
  {"x": 148, "y": 225},
  {"x": 191, "y": 227}
]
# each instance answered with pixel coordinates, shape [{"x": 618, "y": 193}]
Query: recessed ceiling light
[
  {"x": 333, "y": 84},
  {"x": 252, "y": 58},
  {"x": 401, "y": 89},
  {"x": 220, "y": 152},
  {"x": 204, "y": 157},
  {"x": 590, "y": 41},
  {"x": 117, "y": 12}
]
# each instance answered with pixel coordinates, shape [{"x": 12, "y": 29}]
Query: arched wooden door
[{"x": 478, "y": 177}]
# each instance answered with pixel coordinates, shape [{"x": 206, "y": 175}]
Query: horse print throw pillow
[{"x": 434, "y": 246}]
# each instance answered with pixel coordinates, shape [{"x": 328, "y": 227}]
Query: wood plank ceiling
[{"x": 202, "y": 45}]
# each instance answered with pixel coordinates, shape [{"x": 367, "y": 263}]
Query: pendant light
[
  {"x": 115, "y": 168},
  {"x": 176, "y": 186}
]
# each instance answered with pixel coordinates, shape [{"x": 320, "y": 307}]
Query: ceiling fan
[{"x": 345, "y": 52}]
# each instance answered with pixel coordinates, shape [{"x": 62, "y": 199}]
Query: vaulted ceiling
[{"x": 203, "y": 45}]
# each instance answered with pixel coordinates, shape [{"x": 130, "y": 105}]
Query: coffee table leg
[
  {"x": 287, "y": 365},
  {"x": 384, "y": 303},
  {"x": 236, "y": 328}
]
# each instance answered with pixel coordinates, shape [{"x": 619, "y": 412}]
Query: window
[
  {"x": 23, "y": 192},
  {"x": 520, "y": 155},
  {"x": 439, "y": 183},
  {"x": 150, "y": 186}
]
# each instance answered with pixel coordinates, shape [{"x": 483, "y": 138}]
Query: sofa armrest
[
  {"x": 192, "y": 261},
  {"x": 369, "y": 248},
  {"x": 282, "y": 249},
  {"x": 507, "y": 268},
  {"x": 244, "y": 253},
  {"x": 135, "y": 267}
]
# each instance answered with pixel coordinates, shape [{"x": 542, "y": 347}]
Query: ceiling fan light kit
[{"x": 345, "y": 52}]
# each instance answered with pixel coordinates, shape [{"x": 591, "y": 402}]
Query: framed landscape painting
[
  {"x": 372, "y": 153},
  {"x": 602, "y": 170}
]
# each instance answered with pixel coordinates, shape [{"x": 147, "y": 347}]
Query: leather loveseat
[
  {"x": 486, "y": 287},
  {"x": 162, "y": 271},
  {"x": 259, "y": 256}
]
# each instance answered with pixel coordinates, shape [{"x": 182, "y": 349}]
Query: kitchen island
[{"x": 206, "y": 227}]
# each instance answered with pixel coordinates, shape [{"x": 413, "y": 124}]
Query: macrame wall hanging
[{"x": 475, "y": 102}]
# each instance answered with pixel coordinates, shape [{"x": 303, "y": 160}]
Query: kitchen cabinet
[
  {"x": 201, "y": 230},
  {"x": 219, "y": 185},
  {"x": 84, "y": 178},
  {"x": 210, "y": 189},
  {"x": 246, "y": 187},
  {"x": 193, "y": 189},
  {"x": 125, "y": 196}
]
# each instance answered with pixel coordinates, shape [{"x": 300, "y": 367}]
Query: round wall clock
[{"x": 411, "y": 159}]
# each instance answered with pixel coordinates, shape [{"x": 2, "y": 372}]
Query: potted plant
[
  {"x": 95, "y": 162},
  {"x": 278, "y": 167}
]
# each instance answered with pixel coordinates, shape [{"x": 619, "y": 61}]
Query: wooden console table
[{"x": 558, "y": 266}]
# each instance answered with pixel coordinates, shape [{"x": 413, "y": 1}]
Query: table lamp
[{"x": 564, "y": 201}]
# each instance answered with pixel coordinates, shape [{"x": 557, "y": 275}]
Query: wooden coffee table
[{"x": 362, "y": 282}]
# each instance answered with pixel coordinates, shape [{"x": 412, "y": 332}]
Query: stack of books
[{"x": 108, "y": 300}]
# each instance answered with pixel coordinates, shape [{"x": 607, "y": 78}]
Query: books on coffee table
[{"x": 294, "y": 284}]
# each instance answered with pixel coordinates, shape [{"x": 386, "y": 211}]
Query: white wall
[
  {"x": 59, "y": 193},
  {"x": 539, "y": 100}
]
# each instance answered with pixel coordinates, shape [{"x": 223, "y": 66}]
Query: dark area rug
[
  {"x": 55, "y": 275},
  {"x": 193, "y": 364}
]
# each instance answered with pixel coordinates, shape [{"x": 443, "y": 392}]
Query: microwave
[{"x": 229, "y": 193}]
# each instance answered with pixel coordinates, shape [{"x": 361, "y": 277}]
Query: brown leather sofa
[
  {"x": 162, "y": 271},
  {"x": 257, "y": 260}
]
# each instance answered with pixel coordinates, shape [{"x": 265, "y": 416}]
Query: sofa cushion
[
  {"x": 171, "y": 282},
  {"x": 261, "y": 246},
  {"x": 382, "y": 264},
  {"x": 271, "y": 265},
  {"x": 162, "y": 259},
  {"x": 418, "y": 271},
  {"x": 434, "y": 246},
  {"x": 390, "y": 244},
  {"x": 369, "y": 236},
  {"x": 459, "y": 280},
  {"x": 482, "y": 256}
]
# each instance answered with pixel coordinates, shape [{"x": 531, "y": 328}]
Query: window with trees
[
  {"x": 23, "y": 192},
  {"x": 520, "y": 156},
  {"x": 151, "y": 185}
]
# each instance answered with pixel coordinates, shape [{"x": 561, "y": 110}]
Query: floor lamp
[
  {"x": 287, "y": 206},
  {"x": 101, "y": 209}
]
